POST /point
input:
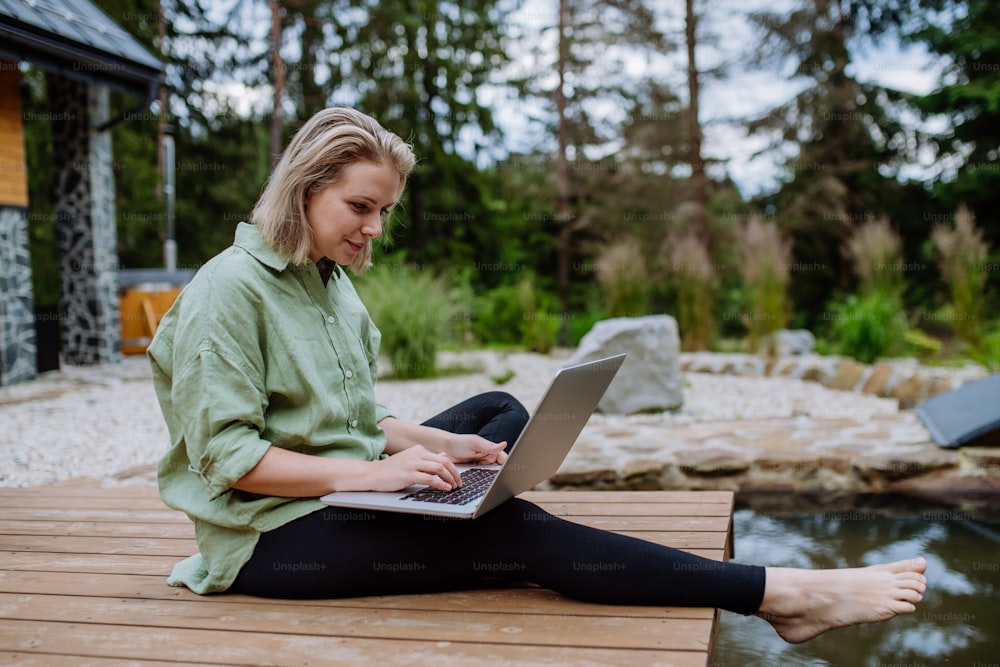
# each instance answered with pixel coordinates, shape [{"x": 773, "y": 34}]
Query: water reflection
[{"x": 956, "y": 624}]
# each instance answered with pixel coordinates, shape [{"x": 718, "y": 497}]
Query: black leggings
[{"x": 338, "y": 552}]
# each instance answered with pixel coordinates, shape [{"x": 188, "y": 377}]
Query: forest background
[{"x": 879, "y": 235}]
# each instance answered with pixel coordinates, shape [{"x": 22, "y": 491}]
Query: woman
[{"x": 265, "y": 368}]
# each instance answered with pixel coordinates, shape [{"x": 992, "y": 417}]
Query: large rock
[
  {"x": 792, "y": 342},
  {"x": 650, "y": 378}
]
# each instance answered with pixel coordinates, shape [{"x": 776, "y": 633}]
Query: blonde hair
[{"x": 330, "y": 141}]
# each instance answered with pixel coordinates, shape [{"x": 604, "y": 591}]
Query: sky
[
  {"x": 744, "y": 91},
  {"x": 725, "y": 37}
]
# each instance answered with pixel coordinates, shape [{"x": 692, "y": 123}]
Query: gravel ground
[{"x": 105, "y": 423}]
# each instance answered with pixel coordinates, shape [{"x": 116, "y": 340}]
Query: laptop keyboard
[{"x": 475, "y": 482}]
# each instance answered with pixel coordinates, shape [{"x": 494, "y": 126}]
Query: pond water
[{"x": 958, "y": 623}]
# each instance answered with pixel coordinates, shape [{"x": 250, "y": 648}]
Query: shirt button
[
  {"x": 348, "y": 374},
  {"x": 331, "y": 319},
  {"x": 354, "y": 423}
]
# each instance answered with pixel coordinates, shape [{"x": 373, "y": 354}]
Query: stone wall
[
  {"x": 17, "y": 314},
  {"x": 905, "y": 380},
  {"x": 812, "y": 450},
  {"x": 885, "y": 454},
  {"x": 85, "y": 224}
]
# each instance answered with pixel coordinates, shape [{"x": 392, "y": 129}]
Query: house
[{"x": 84, "y": 54}]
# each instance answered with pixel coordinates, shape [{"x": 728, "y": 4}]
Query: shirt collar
[{"x": 249, "y": 238}]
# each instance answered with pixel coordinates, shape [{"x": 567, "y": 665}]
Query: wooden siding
[{"x": 13, "y": 169}]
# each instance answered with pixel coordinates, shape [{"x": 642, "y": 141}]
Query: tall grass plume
[
  {"x": 696, "y": 280},
  {"x": 624, "y": 278},
  {"x": 876, "y": 252},
  {"x": 763, "y": 256},
  {"x": 961, "y": 252}
]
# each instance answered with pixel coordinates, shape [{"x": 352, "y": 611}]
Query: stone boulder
[
  {"x": 792, "y": 342},
  {"x": 650, "y": 378}
]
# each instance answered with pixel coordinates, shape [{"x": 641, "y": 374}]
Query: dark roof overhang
[{"x": 81, "y": 43}]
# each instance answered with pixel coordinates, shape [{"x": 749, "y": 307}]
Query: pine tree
[
  {"x": 845, "y": 133},
  {"x": 965, "y": 33}
]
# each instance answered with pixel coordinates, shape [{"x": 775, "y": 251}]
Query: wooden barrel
[{"x": 142, "y": 307}]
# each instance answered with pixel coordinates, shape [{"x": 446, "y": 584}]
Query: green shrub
[
  {"x": 540, "y": 323},
  {"x": 587, "y": 311},
  {"x": 416, "y": 312},
  {"x": 518, "y": 315},
  {"x": 868, "y": 327},
  {"x": 987, "y": 352},
  {"x": 541, "y": 331},
  {"x": 498, "y": 316},
  {"x": 580, "y": 325},
  {"x": 922, "y": 344},
  {"x": 503, "y": 378}
]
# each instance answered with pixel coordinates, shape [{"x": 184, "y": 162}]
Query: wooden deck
[{"x": 82, "y": 582}]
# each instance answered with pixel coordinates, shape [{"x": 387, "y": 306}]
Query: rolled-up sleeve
[
  {"x": 225, "y": 410},
  {"x": 381, "y": 412}
]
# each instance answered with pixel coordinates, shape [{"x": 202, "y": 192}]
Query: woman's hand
[
  {"x": 413, "y": 465},
  {"x": 460, "y": 447},
  {"x": 471, "y": 448}
]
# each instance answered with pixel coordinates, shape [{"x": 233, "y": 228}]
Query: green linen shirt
[{"x": 256, "y": 353}]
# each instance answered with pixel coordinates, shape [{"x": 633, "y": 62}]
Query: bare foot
[{"x": 802, "y": 604}]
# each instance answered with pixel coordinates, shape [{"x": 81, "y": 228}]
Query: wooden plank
[
  {"x": 178, "y": 530},
  {"x": 138, "y": 564},
  {"x": 54, "y": 518},
  {"x": 86, "y": 487},
  {"x": 144, "y": 546},
  {"x": 481, "y": 627},
  {"x": 564, "y": 506},
  {"x": 700, "y": 543},
  {"x": 631, "y": 497},
  {"x": 50, "y": 660},
  {"x": 80, "y": 486},
  {"x": 523, "y": 599},
  {"x": 143, "y": 540},
  {"x": 264, "y": 649},
  {"x": 714, "y": 525},
  {"x": 86, "y": 514},
  {"x": 97, "y": 563},
  {"x": 608, "y": 522},
  {"x": 95, "y": 545},
  {"x": 571, "y": 509},
  {"x": 97, "y": 501}
]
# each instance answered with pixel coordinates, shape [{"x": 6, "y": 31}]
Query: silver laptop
[{"x": 562, "y": 413}]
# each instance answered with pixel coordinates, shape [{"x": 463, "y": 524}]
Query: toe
[
  {"x": 913, "y": 565},
  {"x": 903, "y": 607}
]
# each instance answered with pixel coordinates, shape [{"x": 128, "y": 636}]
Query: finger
[
  {"x": 456, "y": 477},
  {"x": 496, "y": 454},
  {"x": 446, "y": 470},
  {"x": 435, "y": 482}
]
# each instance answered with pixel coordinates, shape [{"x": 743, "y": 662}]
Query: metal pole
[{"x": 170, "y": 245}]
